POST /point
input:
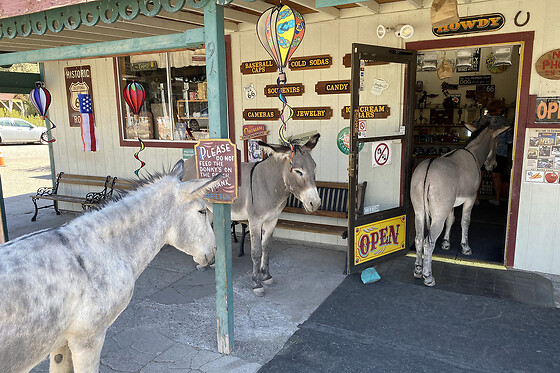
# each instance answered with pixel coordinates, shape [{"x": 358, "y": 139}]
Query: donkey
[
  {"x": 62, "y": 288},
  {"x": 440, "y": 184},
  {"x": 264, "y": 191}
]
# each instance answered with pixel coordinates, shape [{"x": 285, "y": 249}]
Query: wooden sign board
[
  {"x": 475, "y": 79},
  {"x": 78, "y": 80},
  {"x": 261, "y": 114},
  {"x": 323, "y": 61},
  {"x": 332, "y": 87},
  {"x": 215, "y": 156},
  {"x": 253, "y": 131},
  {"x": 548, "y": 65},
  {"x": 472, "y": 24},
  {"x": 347, "y": 61},
  {"x": 258, "y": 67},
  {"x": 368, "y": 112},
  {"x": 296, "y": 89},
  {"x": 547, "y": 110},
  {"x": 312, "y": 113}
]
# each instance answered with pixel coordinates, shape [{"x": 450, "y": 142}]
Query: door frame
[{"x": 525, "y": 39}]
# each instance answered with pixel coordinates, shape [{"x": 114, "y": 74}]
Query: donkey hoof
[
  {"x": 445, "y": 245},
  {"x": 268, "y": 281},
  {"x": 201, "y": 268},
  {"x": 429, "y": 281},
  {"x": 466, "y": 251},
  {"x": 259, "y": 292},
  {"x": 418, "y": 272}
]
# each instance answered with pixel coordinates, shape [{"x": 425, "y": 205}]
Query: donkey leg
[
  {"x": 445, "y": 245},
  {"x": 61, "y": 360},
  {"x": 268, "y": 230},
  {"x": 429, "y": 244},
  {"x": 465, "y": 223},
  {"x": 256, "y": 253},
  {"x": 418, "y": 244},
  {"x": 86, "y": 352}
]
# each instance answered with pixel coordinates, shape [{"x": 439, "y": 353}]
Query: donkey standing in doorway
[
  {"x": 263, "y": 193},
  {"x": 61, "y": 289},
  {"x": 440, "y": 184}
]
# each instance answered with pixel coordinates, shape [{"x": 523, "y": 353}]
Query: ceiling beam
[
  {"x": 371, "y": 5},
  {"x": 418, "y": 4},
  {"x": 256, "y": 6},
  {"x": 238, "y": 16},
  {"x": 330, "y": 11},
  {"x": 194, "y": 19}
]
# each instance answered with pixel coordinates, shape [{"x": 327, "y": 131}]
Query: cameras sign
[{"x": 381, "y": 153}]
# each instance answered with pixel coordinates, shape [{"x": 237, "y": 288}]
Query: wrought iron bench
[
  {"x": 87, "y": 201},
  {"x": 334, "y": 204}
]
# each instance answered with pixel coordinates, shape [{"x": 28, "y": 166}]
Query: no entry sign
[{"x": 381, "y": 153}]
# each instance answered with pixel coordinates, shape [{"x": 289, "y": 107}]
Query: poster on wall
[
  {"x": 543, "y": 156},
  {"x": 78, "y": 81}
]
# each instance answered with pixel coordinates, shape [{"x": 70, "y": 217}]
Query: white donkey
[
  {"x": 60, "y": 289},
  {"x": 440, "y": 184},
  {"x": 264, "y": 191}
]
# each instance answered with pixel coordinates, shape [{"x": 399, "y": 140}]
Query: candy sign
[{"x": 213, "y": 157}]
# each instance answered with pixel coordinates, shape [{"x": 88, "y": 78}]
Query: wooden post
[{"x": 218, "y": 127}]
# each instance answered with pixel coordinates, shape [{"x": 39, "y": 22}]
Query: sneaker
[{"x": 493, "y": 202}]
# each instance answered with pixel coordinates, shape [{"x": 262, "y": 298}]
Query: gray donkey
[
  {"x": 264, "y": 191},
  {"x": 440, "y": 184},
  {"x": 60, "y": 289}
]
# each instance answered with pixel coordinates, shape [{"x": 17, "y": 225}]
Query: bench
[
  {"x": 334, "y": 204},
  {"x": 87, "y": 201}
]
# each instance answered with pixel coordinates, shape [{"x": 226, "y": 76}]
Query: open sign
[{"x": 547, "y": 110}]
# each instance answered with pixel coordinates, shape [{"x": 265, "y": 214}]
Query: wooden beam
[
  {"x": 330, "y": 11},
  {"x": 17, "y": 82},
  {"x": 256, "y": 6},
  {"x": 238, "y": 16},
  {"x": 371, "y": 5},
  {"x": 418, "y": 4},
  {"x": 195, "y": 19}
]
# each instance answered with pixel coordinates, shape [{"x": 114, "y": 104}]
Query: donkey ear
[
  {"x": 312, "y": 142},
  {"x": 499, "y": 131},
  {"x": 198, "y": 187},
  {"x": 470, "y": 127},
  {"x": 279, "y": 151},
  {"x": 178, "y": 169}
]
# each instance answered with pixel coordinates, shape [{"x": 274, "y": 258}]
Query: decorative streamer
[
  {"x": 41, "y": 98},
  {"x": 142, "y": 163},
  {"x": 134, "y": 96}
]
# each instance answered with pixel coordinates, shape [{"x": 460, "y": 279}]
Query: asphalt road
[{"x": 27, "y": 169}]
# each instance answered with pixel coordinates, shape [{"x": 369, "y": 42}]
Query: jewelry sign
[
  {"x": 218, "y": 156},
  {"x": 468, "y": 25},
  {"x": 78, "y": 81},
  {"x": 368, "y": 112},
  {"x": 310, "y": 113}
]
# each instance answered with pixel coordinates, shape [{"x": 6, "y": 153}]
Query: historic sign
[
  {"x": 332, "y": 87},
  {"x": 475, "y": 79},
  {"x": 78, "y": 80},
  {"x": 368, "y": 112},
  {"x": 547, "y": 110},
  {"x": 468, "y": 25},
  {"x": 347, "y": 61},
  {"x": 252, "y": 131},
  {"x": 310, "y": 113},
  {"x": 258, "y": 67},
  {"x": 311, "y": 62},
  {"x": 379, "y": 238},
  {"x": 295, "y": 89},
  {"x": 548, "y": 65},
  {"x": 261, "y": 114},
  {"x": 218, "y": 156}
]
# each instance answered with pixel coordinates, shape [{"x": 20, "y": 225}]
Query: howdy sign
[
  {"x": 380, "y": 238},
  {"x": 368, "y": 112},
  {"x": 332, "y": 87},
  {"x": 252, "y": 131},
  {"x": 548, "y": 65},
  {"x": 261, "y": 114},
  {"x": 468, "y": 25},
  {"x": 213, "y": 157},
  {"x": 310, "y": 113},
  {"x": 296, "y": 89},
  {"x": 258, "y": 67},
  {"x": 548, "y": 110},
  {"x": 313, "y": 62}
]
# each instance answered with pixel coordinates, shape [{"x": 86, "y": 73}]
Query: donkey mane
[{"x": 477, "y": 132}]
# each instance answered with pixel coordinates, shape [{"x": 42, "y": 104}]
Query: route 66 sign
[
  {"x": 381, "y": 153},
  {"x": 250, "y": 92}
]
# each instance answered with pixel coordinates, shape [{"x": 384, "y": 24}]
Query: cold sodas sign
[
  {"x": 379, "y": 238},
  {"x": 213, "y": 157}
]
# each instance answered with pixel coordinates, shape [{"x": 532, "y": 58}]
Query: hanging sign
[
  {"x": 379, "y": 238},
  {"x": 214, "y": 156},
  {"x": 252, "y": 131},
  {"x": 258, "y": 67},
  {"x": 144, "y": 66},
  {"x": 368, "y": 112},
  {"x": 311, "y": 62},
  {"x": 347, "y": 61},
  {"x": 332, "y": 87},
  {"x": 548, "y": 65},
  {"x": 547, "y": 110},
  {"x": 311, "y": 113},
  {"x": 261, "y": 114},
  {"x": 381, "y": 153},
  {"x": 295, "y": 89},
  {"x": 78, "y": 81},
  {"x": 472, "y": 24},
  {"x": 475, "y": 79}
]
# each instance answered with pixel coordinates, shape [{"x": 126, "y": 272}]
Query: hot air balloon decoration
[
  {"x": 280, "y": 30},
  {"x": 41, "y": 98},
  {"x": 134, "y": 96}
]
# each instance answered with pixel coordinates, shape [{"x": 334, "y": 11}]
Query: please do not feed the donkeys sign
[{"x": 215, "y": 156}]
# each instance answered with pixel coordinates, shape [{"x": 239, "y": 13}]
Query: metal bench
[{"x": 87, "y": 201}]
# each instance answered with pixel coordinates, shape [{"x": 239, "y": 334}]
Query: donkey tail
[{"x": 427, "y": 218}]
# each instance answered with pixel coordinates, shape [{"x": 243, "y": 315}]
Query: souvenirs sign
[
  {"x": 347, "y": 61},
  {"x": 261, "y": 114},
  {"x": 311, "y": 113},
  {"x": 548, "y": 65},
  {"x": 379, "y": 238},
  {"x": 332, "y": 87},
  {"x": 368, "y": 112},
  {"x": 258, "y": 67},
  {"x": 547, "y": 110},
  {"x": 312, "y": 62},
  {"x": 475, "y": 79},
  {"x": 215, "y": 156},
  {"x": 252, "y": 131},
  {"x": 78, "y": 80},
  {"x": 296, "y": 89},
  {"x": 472, "y": 24}
]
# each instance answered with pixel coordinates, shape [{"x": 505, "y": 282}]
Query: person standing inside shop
[{"x": 500, "y": 174}]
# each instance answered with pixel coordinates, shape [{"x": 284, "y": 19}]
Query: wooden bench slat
[
  {"x": 84, "y": 182},
  {"x": 84, "y": 177},
  {"x": 330, "y": 214},
  {"x": 311, "y": 227}
]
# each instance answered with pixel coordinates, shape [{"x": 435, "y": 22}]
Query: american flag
[{"x": 88, "y": 124}]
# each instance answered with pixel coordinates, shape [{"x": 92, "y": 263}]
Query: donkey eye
[
  {"x": 203, "y": 211},
  {"x": 299, "y": 173}
]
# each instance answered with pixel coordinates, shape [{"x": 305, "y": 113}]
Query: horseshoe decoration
[{"x": 524, "y": 23}]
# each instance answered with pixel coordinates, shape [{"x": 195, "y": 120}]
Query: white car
[{"x": 15, "y": 130}]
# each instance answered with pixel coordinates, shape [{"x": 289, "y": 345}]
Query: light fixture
[
  {"x": 401, "y": 31},
  {"x": 381, "y": 31}
]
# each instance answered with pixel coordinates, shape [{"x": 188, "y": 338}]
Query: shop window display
[{"x": 176, "y": 106}]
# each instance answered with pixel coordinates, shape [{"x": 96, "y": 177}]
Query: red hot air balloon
[{"x": 134, "y": 95}]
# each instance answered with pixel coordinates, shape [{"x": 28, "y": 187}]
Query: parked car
[{"x": 15, "y": 130}]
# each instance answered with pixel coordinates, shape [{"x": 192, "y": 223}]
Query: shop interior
[{"x": 453, "y": 88}]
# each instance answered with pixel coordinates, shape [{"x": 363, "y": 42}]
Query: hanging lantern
[
  {"x": 40, "y": 97},
  {"x": 134, "y": 96}
]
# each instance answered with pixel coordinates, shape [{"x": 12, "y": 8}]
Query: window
[{"x": 176, "y": 105}]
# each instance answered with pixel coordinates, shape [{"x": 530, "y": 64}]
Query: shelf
[
  {"x": 204, "y": 117},
  {"x": 439, "y": 126},
  {"x": 197, "y": 100},
  {"x": 440, "y": 143}
]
